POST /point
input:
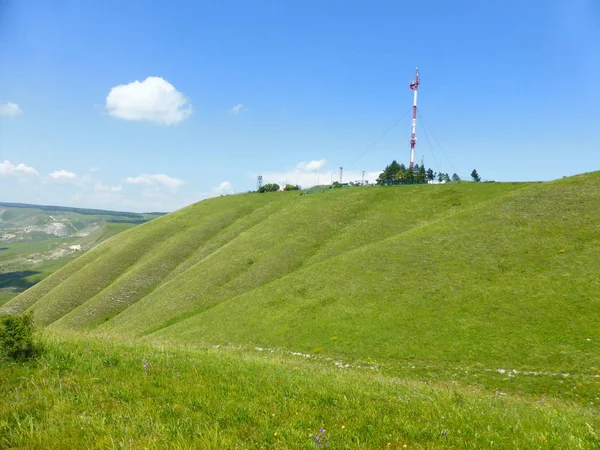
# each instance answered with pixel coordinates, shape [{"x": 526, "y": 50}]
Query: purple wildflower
[{"x": 321, "y": 439}]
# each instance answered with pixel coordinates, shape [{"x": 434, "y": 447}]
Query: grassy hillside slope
[
  {"x": 219, "y": 248},
  {"x": 509, "y": 282},
  {"x": 480, "y": 276}
]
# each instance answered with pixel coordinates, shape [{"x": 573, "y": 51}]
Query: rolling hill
[
  {"x": 481, "y": 274},
  {"x": 463, "y": 315}
]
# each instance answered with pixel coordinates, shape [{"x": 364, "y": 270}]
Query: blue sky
[{"x": 289, "y": 89}]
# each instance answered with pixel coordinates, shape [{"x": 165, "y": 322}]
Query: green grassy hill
[
  {"x": 433, "y": 316},
  {"x": 492, "y": 274}
]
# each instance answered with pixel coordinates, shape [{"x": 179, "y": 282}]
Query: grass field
[
  {"x": 485, "y": 289},
  {"x": 85, "y": 393}
]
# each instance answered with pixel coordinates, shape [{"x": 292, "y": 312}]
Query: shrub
[
  {"x": 16, "y": 337},
  {"x": 271, "y": 187}
]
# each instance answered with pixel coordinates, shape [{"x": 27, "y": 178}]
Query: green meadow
[
  {"x": 89, "y": 393},
  {"x": 462, "y": 315}
]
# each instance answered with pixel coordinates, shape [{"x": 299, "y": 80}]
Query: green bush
[
  {"x": 271, "y": 187},
  {"x": 17, "y": 337}
]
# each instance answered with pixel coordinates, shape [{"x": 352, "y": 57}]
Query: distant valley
[{"x": 36, "y": 240}]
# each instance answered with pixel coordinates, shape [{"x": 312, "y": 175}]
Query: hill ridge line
[
  {"x": 144, "y": 258},
  {"x": 236, "y": 221},
  {"x": 229, "y": 242},
  {"x": 145, "y": 244},
  {"x": 166, "y": 284},
  {"x": 162, "y": 283},
  {"x": 131, "y": 267}
]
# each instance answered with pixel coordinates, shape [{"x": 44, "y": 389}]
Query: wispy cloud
[
  {"x": 10, "y": 109},
  {"x": 238, "y": 109},
  {"x": 8, "y": 168},
  {"x": 311, "y": 166},
  {"x": 100, "y": 187},
  {"x": 311, "y": 173},
  {"x": 62, "y": 175},
  {"x": 153, "y": 100},
  {"x": 153, "y": 179},
  {"x": 224, "y": 188}
]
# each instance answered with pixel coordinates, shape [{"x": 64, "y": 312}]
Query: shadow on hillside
[
  {"x": 3, "y": 248},
  {"x": 16, "y": 280}
]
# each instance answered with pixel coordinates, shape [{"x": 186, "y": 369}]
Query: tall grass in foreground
[{"x": 85, "y": 393}]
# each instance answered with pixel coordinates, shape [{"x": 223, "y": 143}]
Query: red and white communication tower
[{"x": 414, "y": 86}]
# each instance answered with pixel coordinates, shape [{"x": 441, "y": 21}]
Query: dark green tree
[
  {"x": 440, "y": 177},
  {"x": 402, "y": 173},
  {"x": 271, "y": 187},
  {"x": 291, "y": 187},
  {"x": 409, "y": 175},
  {"x": 475, "y": 176},
  {"x": 430, "y": 174},
  {"x": 446, "y": 177},
  {"x": 455, "y": 177},
  {"x": 390, "y": 173},
  {"x": 421, "y": 173}
]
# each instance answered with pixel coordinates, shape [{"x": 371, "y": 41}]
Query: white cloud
[
  {"x": 99, "y": 187},
  {"x": 154, "y": 100},
  {"x": 307, "y": 174},
  {"x": 238, "y": 109},
  {"x": 311, "y": 166},
  {"x": 10, "y": 109},
  {"x": 224, "y": 188},
  {"x": 140, "y": 179},
  {"x": 94, "y": 169},
  {"x": 8, "y": 168},
  {"x": 153, "y": 179},
  {"x": 63, "y": 175},
  {"x": 171, "y": 182}
]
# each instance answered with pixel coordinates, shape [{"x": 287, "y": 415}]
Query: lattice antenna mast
[{"x": 414, "y": 86}]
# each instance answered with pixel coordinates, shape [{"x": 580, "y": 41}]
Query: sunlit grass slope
[
  {"x": 197, "y": 257},
  {"x": 488, "y": 274},
  {"x": 514, "y": 282}
]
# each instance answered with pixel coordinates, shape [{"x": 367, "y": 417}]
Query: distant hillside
[
  {"x": 35, "y": 240},
  {"x": 496, "y": 274},
  {"x": 83, "y": 211}
]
